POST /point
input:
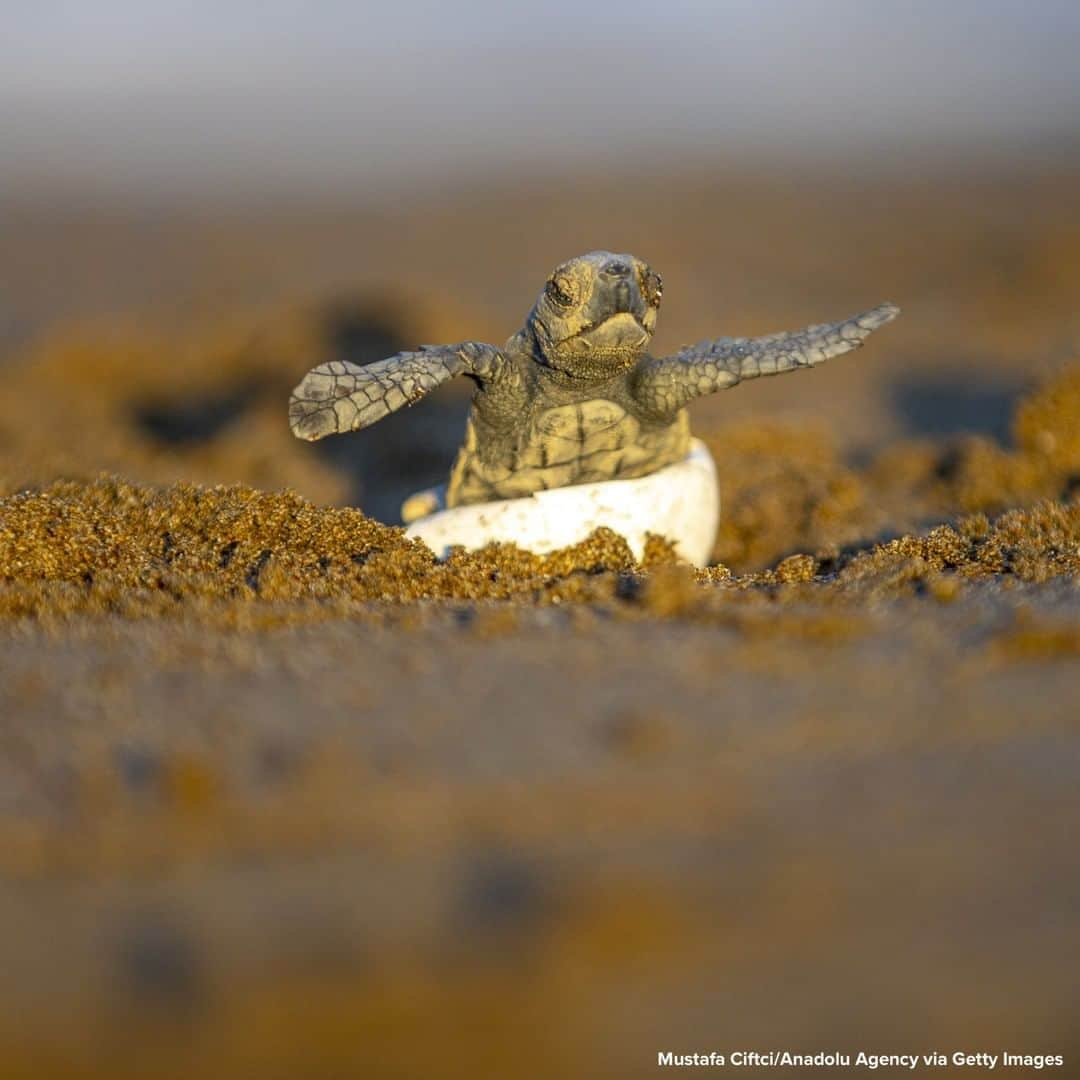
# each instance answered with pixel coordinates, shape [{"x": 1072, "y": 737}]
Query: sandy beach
[{"x": 281, "y": 791}]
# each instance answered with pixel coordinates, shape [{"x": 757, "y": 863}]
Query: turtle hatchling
[{"x": 574, "y": 423}]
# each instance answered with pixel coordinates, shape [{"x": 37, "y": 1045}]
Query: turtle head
[{"x": 596, "y": 315}]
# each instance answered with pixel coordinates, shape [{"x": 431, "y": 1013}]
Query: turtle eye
[
  {"x": 653, "y": 287},
  {"x": 560, "y": 291}
]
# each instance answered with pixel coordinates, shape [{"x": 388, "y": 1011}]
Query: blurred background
[
  {"x": 175, "y": 100},
  {"x": 242, "y": 841}
]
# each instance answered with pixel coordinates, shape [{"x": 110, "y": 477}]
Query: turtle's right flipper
[{"x": 338, "y": 396}]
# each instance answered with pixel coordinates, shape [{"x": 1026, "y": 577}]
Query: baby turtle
[{"x": 574, "y": 397}]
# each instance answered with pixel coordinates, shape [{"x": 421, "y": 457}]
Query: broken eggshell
[{"x": 680, "y": 502}]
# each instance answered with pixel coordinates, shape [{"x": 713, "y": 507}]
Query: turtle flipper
[
  {"x": 665, "y": 385},
  {"x": 338, "y": 396}
]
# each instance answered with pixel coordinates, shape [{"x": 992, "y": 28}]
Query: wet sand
[{"x": 281, "y": 792}]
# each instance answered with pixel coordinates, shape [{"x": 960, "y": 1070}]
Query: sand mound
[{"x": 111, "y": 546}]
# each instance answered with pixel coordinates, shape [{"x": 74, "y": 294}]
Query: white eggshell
[{"x": 680, "y": 502}]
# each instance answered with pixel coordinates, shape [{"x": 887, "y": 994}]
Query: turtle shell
[{"x": 577, "y": 443}]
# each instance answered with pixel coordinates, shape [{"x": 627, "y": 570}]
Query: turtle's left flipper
[
  {"x": 665, "y": 385},
  {"x": 338, "y": 396}
]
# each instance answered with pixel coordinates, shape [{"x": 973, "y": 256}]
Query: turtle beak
[
  {"x": 619, "y": 282},
  {"x": 622, "y": 328}
]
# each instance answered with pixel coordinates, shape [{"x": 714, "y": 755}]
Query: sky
[{"x": 216, "y": 95}]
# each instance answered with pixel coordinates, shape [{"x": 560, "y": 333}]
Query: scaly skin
[
  {"x": 574, "y": 397},
  {"x": 337, "y": 397},
  {"x": 664, "y": 386}
]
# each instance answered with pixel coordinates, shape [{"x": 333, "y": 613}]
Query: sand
[{"x": 281, "y": 792}]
